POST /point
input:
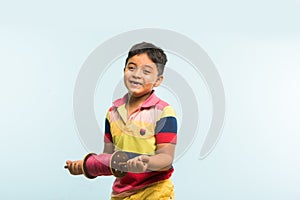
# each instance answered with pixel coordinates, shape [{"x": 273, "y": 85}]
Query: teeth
[{"x": 136, "y": 83}]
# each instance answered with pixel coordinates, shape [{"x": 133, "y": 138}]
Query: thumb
[
  {"x": 145, "y": 158},
  {"x": 68, "y": 162}
]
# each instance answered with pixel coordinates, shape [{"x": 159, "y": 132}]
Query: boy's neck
[{"x": 135, "y": 102}]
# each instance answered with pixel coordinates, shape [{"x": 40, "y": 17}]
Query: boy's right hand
[{"x": 75, "y": 167}]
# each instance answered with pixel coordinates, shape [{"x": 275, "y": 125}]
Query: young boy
[{"x": 143, "y": 126}]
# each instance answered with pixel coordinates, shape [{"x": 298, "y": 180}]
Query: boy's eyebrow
[
  {"x": 132, "y": 63},
  {"x": 148, "y": 66}
]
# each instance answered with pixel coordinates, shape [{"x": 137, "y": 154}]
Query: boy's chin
[{"x": 138, "y": 95}]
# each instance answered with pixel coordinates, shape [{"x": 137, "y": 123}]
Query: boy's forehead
[{"x": 141, "y": 59}]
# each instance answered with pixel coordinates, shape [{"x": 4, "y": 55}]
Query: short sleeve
[
  {"x": 166, "y": 127},
  {"x": 107, "y": 133}
]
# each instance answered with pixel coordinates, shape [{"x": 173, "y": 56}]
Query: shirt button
[{"x": 142, "y": 131}]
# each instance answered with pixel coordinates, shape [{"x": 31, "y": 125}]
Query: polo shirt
[{"x": 154, "y": 122}]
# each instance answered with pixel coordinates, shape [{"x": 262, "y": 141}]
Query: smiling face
[{"x": 141, "y": 75}]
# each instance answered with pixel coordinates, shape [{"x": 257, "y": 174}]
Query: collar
[{"x": 150, "y": 101}]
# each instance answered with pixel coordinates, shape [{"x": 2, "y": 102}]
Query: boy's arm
[
  {"x": 163, "y": 158},
  {"x": 161, "y": 161},
  {"x": 108, "y": 147}
]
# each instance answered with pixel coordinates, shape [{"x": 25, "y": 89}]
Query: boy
[{"x": 143, "y": 126}]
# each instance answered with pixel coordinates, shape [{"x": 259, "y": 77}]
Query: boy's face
[{"x": 141, "y": 75}]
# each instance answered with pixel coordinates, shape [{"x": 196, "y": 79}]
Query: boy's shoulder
[
  {"x": 162, "y": 103},
  {"x": 164, "y": 108}
]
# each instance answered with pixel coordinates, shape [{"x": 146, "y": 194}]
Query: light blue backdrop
[{"x": 255, "y": 46}]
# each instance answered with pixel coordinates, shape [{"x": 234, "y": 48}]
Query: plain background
[{"x": 255, "y": 46}]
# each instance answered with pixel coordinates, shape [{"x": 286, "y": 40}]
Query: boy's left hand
[
  {"x": 75, "y": 167},
  {"x": 138, "y": 164}
]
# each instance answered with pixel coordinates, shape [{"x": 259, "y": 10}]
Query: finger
[
  {"x": 141, "y": 164},
  {"x": 74, "y": 169},
  {"x": 67, "y": 164},
  {"x": 135, "y": 165},
  {"x": 139, "y": 158},
  {"x": 144, "y": 158},
  {"x": 78, "y": 168},
  {"x": 131, "y": 164},
  {"x": 70, "y": 167}
]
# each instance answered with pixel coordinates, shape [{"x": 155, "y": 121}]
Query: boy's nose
[{"x": 137, "y": 73}]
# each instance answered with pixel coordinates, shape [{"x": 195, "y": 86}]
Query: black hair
[{"x": 155, "y": 53}]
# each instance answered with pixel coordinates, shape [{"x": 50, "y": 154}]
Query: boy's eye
[
  {"x": 147, "y": 72},
  {"x": 131, "y": 68}
]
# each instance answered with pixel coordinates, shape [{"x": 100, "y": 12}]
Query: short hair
[{"x": 155, "y": 53}]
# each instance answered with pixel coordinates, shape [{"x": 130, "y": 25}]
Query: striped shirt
[{"x": 154, "y": 122}]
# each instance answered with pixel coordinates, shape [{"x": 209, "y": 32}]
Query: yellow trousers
[{"x": 163, "y": 190}]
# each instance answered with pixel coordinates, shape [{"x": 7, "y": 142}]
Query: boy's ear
[{"x": 158, "y": 81}]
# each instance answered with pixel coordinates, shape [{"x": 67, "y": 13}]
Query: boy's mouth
[{"x": 135, "y": 83}]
